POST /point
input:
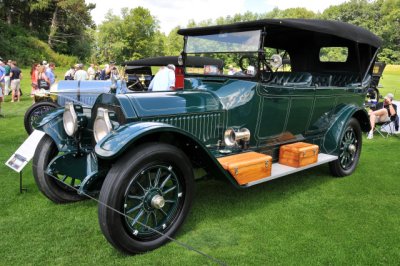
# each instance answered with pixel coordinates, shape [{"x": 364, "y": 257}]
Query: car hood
[{"x": 168, "y": 103}]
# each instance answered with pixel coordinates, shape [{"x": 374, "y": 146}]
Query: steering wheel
[
  {"x": 247, "y": 60},
  {"x": 137, "y": 85}
]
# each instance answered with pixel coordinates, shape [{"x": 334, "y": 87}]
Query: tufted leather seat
[
  {"x": 344, "y": 79},
  {"x": 321, "y": 80},
  {"x": 291, "y": 79}
]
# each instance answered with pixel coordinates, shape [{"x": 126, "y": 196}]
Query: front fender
[
  {"x": 115, "y": 143},
  {"x": 331, "y": 140},
  {"x": 52, "y": 125},
  {"x": 119, "y": 140}
]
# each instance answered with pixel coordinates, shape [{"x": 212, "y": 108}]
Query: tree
[
  {"x": 135, "y": 35},
  {"x": 174, "y": 42},
  {"x": 297, "y": 12},
  {"x": 381, "y": 17},
  {"x": 62, "y": 23},
  {"x": 390, "y": 31}
]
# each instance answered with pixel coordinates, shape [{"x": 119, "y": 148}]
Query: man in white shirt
[
  {"x": 164, "y": 80},
  {"x": 91, "y": 72},
  {"x": 80, "y": 74}
]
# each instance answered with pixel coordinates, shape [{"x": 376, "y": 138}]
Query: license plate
[{"x": 25, "y": 152}]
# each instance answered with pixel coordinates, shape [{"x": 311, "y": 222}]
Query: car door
[{"x": 284, "y": 112}]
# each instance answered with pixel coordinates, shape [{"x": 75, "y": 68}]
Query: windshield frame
[{"x": 256, "y": 51}]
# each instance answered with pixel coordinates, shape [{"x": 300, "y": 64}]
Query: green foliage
[
  {"x": 62, "y": 23},
  {"x": 297, "y": 12},
  {"x": 134, "y": 35},
  {"x": 381, "y": 17},
  {"x": 249, "y": 16},
  {"x": 174, "y": 42},
  {"x": 19, "y": 45},
  {"x": 333, "y": 54}
]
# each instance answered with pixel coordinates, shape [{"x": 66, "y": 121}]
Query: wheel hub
[
  {"x": 351, "y": 148},
  {"x": 157, "y": 202}
]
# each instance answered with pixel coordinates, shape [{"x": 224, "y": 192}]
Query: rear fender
[
  {"x": 129, "y": 136},
  {"x": 331, "y": 140}
]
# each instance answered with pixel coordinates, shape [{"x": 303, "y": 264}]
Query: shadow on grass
[{"x": 220, "y": 201}]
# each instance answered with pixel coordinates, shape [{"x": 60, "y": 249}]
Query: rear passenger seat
[
  {"x": 338, "y": 79},
  {"x": 290, "y": 78},
  {"x": 321, "y": 80},
  {"x": 334, "y": 79},
  {"x": 344, "y": 79}
]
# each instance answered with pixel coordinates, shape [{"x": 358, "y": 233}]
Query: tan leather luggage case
[
  {"x": 247, "y": 167},
  {"x": 298, "y": 154}
]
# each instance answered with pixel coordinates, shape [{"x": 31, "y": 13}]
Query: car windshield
[{"x": 236, "y": 52}]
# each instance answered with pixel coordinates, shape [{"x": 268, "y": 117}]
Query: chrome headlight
[
  {"x": 70, "y": 119},
  {"x": 102, "y": 124}
]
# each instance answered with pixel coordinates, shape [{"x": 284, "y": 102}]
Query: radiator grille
[{"x": 205, "y": 126}]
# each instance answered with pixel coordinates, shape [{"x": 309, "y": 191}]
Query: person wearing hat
[
  {"x": 164, "y": 80},
  {"x": 80, "y": 73},
  {"x": 44, "y": 63},
  {"x": 69, "y": 75},
  {"x": 382, "y": 113}
]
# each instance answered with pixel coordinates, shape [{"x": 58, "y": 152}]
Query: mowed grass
[
  {"x": 390, "y": 81},
  {"x": 303, "y": 219}
]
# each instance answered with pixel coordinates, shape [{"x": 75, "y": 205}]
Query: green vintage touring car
[{"x": 138, "y": 152}]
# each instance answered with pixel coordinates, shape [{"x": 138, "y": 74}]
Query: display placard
[{"x": 25, "y": 152}]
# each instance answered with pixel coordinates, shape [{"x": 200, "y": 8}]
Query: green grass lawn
[
  {"x": 305, "y": 218},
  {"x": 390, "y": 81}
]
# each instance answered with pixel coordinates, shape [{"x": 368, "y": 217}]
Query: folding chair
[{"x": 388, "y": 128}]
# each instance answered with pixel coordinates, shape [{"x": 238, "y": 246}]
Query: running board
[{"x": 279, "y": 170}]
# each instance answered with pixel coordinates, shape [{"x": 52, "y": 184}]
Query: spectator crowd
[
  {"x": 42, "y": 76},
  {"x": 94, "y": 72}
]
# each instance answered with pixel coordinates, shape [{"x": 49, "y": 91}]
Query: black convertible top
[
  {"x": 282, "y": 26},
  {"x": 194, "y": 61}
]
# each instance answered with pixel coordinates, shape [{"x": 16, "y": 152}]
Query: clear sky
[{"x": 172, "y": 13}]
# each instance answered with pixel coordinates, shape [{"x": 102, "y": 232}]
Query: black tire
[
  {"x": 123, "y": 187},
  {"x": 52, "y": 188},
  {"x": 377, "y": 95},
  {"x": 35, "y": 112},
  {"x": 350, "y": 150}
]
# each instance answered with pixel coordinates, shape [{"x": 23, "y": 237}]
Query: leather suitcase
[
  {"x": 298, "y": 154},
  {"x": 247, "y": 167}
]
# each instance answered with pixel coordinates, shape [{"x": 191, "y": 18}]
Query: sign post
[{"x": 21, "y": 189}]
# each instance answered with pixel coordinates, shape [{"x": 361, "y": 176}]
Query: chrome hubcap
[
  {"x": 157, "y": 202},
  {"x": 351, "y": 148}
]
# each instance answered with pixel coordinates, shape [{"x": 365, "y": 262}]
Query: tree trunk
[
  {"x": 53, "y": 27},
  {"x": 9, "y": 16}
]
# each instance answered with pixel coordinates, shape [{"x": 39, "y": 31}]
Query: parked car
[
  {"x": 138, "y": 151},
  {"x": 82, "y": 92},
  {"x": 137, "y": 75}
]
